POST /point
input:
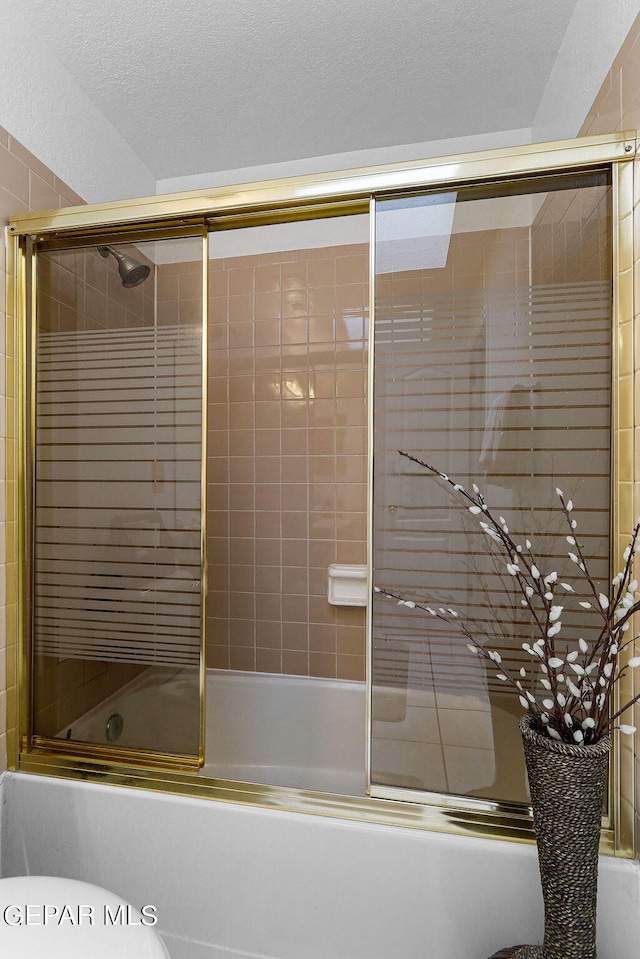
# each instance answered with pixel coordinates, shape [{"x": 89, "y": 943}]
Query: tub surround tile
[
  {"x": 617, "y": 107},
  {"x": 298, "y": 398},
  {"x": 269, "y": 660},
  {"x": 351, "y": 639},
  {"x": 322, "y": 664},
  {"x": 295, "y": 662},
  {"x": 42, "y": 193},
  {"x": 26, "y": 184},
  {"x": 468, "y": 769},
  {"x": 415, "y": 765},
  {"x": 295, "y": 636},
  {"x": 218, "y": 655},
  {"x": 295, "y": 608},
  {"x": 14, "y": 175},
  {"x": 411, "y": 724},
  {"x": 241, "y": 657},
  {"x": 466, "y": 727}
]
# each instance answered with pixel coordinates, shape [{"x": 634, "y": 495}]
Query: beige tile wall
[
  {"x": 436, "y": 341},
  {"x": 81, "y": 290},
  {"x": 287, "y": 459},
  {"x": 179, "y": 293},
  {"x": 25, "y": 184},
  {"x": 617, "y": 108},
  {"x": 571, "y": 237},
  {"x": 452, "y": 342}
]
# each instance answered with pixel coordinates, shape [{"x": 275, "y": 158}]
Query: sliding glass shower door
[
  {"x": 493, "y": 363},
  {"x": 116, "y": 539}
]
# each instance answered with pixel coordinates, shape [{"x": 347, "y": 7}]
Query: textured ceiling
[{"x": 205, "y": 85}]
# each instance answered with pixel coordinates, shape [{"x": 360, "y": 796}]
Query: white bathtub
[
  {"x": 286, "y": 730},
  {"x": 261, "y": 727},
  {"x": 240, "y": 882}
]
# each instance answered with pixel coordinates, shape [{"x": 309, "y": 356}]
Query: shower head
[{"x": 132, "y": 272}]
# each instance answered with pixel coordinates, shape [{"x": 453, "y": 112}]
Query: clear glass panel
[
  {"x": 116, "y": 533},
  {"x": 493, "y": 363},
  {"x": 286, "y": 499}
]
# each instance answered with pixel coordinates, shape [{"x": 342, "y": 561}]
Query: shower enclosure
[
  {"x": 214, "y": 392},
  {"x": 493, "y": 361},
  {"x": 117, "y": 396}
]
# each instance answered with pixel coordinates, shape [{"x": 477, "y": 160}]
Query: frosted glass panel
[
  {"x": 493, "y": 363},
  {"x": 116, "y": 538}
]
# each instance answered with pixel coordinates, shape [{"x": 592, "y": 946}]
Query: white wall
[
  {"x": 43, "y": 107},
  {"x": 595, "y": 34},
  {"x": 347, "y": 161}
]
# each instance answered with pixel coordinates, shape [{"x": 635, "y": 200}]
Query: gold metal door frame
[
  {"x": 26, "y": 256},
  {"x": 618, "y": 831}
]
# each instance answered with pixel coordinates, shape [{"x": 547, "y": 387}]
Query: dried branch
[{"x": 577, "y": 683}]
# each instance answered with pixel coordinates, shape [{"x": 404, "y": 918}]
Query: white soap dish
[{"x": 347, "y": 585}]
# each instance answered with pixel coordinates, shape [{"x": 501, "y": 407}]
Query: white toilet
[{"x": 66, "y": 919}]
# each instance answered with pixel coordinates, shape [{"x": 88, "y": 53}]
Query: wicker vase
[{"x": 567, "y": 785}]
